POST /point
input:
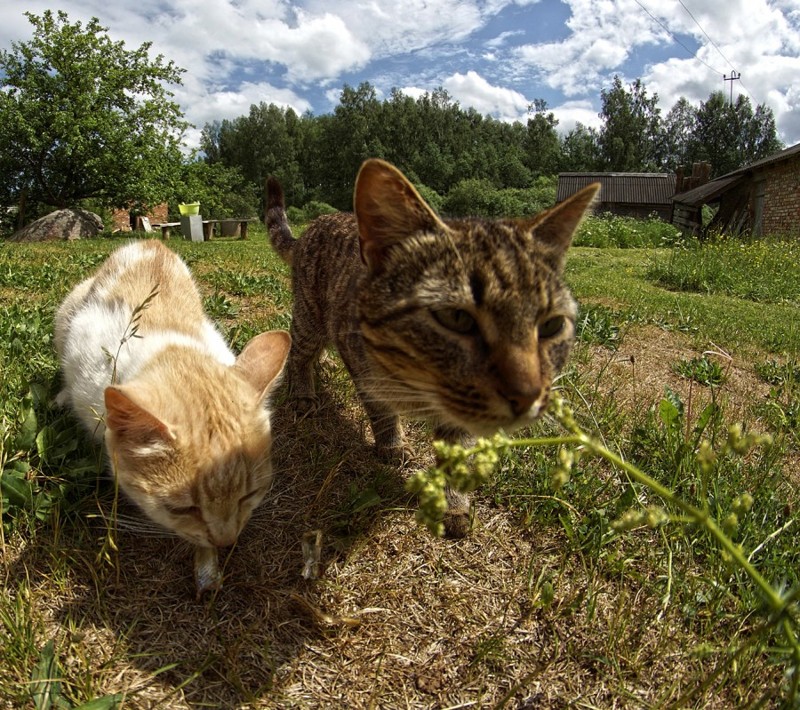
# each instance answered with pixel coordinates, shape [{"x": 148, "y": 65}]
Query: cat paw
[
  {"x": 458, "y": 517},
  {"x": 401, "y": 455},
  {"x": 457, "y": 524}
]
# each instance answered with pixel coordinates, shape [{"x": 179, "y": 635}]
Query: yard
[{"x": 556, "y": 599}]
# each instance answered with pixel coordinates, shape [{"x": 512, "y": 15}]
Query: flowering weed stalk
[{"x": 467, "y": 468}]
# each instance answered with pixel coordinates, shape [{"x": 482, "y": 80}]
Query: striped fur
[{"x": 463, "y": 323}]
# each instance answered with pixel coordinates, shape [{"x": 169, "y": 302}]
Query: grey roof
[
  {"x": 709, "y": 191},
  {"x": 774, "y": 158},
  {"x": 626, "y": 188}
]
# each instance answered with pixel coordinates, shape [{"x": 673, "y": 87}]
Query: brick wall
[
  {"x": 121, "y": 219},
  {"x": 782, "y": 199}
]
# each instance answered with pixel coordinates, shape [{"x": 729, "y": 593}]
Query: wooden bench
[{"x": 165, "y": 228}]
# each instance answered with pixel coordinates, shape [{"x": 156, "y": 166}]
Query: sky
[{"x": 496, "y": 56}]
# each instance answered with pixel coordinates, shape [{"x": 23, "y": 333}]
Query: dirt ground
[{"x": 396, "y": 618}]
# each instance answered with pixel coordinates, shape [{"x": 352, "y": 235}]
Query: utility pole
[{"x": 733, "y": 77}]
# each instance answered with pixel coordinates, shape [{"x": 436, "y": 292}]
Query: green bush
[
  {"x": 479, "y": 198},
  {"x": 433, "y": 198},
  {"x": 295, "y": 215},
  {"x": 314, "y": 209}
]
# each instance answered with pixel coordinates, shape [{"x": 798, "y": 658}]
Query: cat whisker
[{"x": 143, "y": 526}]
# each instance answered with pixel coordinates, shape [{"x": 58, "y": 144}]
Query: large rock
[{"x": 71, "y": 223}]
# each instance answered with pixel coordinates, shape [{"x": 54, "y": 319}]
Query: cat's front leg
[
  {"x": 390, "y": 444},
  {"x": 300, "y": 370},
  {"x": 458, "y": 518},
  {"x": 207, "y": 574}
]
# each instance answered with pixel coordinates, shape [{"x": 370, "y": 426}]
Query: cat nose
[
  {"x": 223, "y": 538},
  {"x": 519, "y": 380},
  {"x": 217, "y": 541},
  {"x": 521, "y": 401}
]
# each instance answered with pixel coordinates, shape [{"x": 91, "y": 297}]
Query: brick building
[
  {"x": 762, "y": 198},
  {"x": 129, "y": 220}
]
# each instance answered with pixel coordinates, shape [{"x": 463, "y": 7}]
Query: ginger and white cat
[{"x": 184, "y": 420}]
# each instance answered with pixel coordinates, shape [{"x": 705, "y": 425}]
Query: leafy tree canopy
[
  {"x": 83, "y": 117},
  {"x": 446, "y": 148}
]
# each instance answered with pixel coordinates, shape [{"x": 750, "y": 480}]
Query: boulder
[{"x": 70, "y": 223}]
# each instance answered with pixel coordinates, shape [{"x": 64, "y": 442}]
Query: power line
[
  {"x": 713, "y": 43},
  {"x": 693, "y": 53},
  {"x": 669, "y": 32},
  {"x": 734, "y": 75}
]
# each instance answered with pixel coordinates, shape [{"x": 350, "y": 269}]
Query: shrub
[
  {"x": 314, "y": 209},
  {"x": 295, "y": 215},
  {"x": 433, "y": 198},
  {"x": 479, "y": 198}
]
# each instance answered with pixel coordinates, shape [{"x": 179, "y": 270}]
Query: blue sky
[{"x": 494, "y": 55}]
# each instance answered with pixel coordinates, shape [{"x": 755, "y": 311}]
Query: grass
[
  {"x": 732, "y": 267},
  {"x": 624, "y": 281},
  {"x": 551, "y": 601}
]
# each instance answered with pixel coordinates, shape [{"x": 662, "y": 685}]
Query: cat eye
[
  {"x": 456, "y": 319},
  {"x": 183, "y": 510},
  {"x": 551, "y": 327}
]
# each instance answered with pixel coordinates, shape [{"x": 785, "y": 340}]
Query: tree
[
  {"x": 83, "y": 117},
  {"x": 222, "y": 191},
  {"x": 676, "y": 135},
  {"x": 542, "y": 146},
  {"x": 632, "y": 119},
  {"x": 347, "y": 139},
  {"x": 580, "y": 151},
  {"x": 731, "y": 136},
  {"x": 260, "y": 144}
]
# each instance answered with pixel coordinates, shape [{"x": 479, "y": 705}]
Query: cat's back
[
  {"x": 141, "y": 301},
  {"x": 149, "y": 273},
  {"x": 330, "y": 241}
]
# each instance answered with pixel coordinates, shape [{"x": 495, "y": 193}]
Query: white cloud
[
  {"x": 219, "y": 105},
  {"x": 391, "y": 27},
  {"x": 471, "y": 89},
  {"x": 297, "y": 52},
  {"x": 571, "y": 113}
]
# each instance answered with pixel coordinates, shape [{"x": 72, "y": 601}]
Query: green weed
[
  {"x": 607, "y": 230},
  {"x": 701, "y": 369}
]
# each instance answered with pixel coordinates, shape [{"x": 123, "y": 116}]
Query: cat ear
[
  {"x": 554, "y": 228},
  {"x": 263, "y": 358},
  {"x": 130, "y": 420},
  {"x": 388, "y": 209}
]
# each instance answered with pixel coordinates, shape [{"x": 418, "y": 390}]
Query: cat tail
[{"x": 278, "y": 226}]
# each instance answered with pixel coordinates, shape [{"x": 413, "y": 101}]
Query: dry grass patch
[
  {"x": 642, "y": 368},
  {"x": 513, "y": 616}
]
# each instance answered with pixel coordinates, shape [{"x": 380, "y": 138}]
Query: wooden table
[
  {"x": 166, "y": 228},
  {"x": 208, "y": 226}
]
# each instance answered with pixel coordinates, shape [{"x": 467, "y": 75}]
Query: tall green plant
[{"x": 467, "y": 468}]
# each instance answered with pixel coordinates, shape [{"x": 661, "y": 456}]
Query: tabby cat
[
  {"x": 184, "y": 420},
  {"x": 464, "y": 323}
]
